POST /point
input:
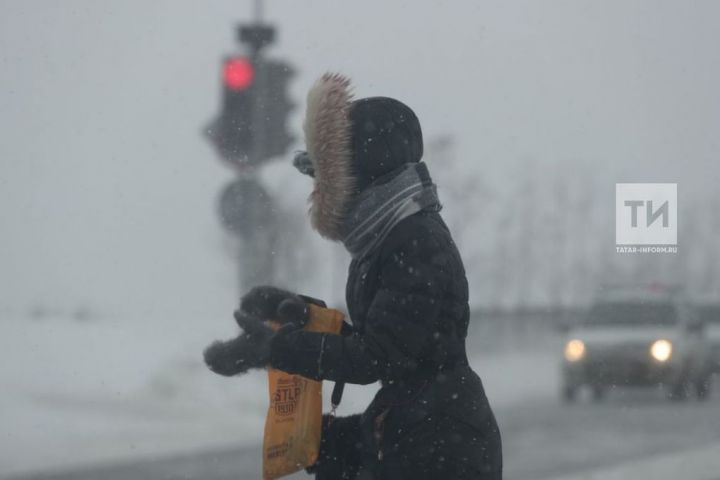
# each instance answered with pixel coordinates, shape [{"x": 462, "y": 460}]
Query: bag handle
[{"x": 339, "y": 387}]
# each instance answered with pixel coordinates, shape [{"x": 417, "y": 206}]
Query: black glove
[
  {"x": 251, "y": 349},
  {"x": 271, "y": 303}
]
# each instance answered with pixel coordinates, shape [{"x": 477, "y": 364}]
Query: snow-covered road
[
  {"x": 137, "y": 403},
  {"x": 90, "y": 393}
]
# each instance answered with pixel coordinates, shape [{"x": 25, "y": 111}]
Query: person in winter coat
[{"x": 407, "y": 298}]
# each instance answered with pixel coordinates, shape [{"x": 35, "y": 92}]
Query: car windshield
[
  {"x": 710, "y": 314},
  {"x": 631, "y": 314}
]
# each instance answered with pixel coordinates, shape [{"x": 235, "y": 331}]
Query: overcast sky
[{"x": 107, "y": 189}]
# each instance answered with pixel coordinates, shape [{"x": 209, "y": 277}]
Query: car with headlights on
[
  {"x": 647, "y": 338},
  {"x": 709, "y": 313}
]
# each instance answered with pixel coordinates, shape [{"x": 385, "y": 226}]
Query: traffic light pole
[
  {"x": 256, "y": 262},
  {"x": 251, "y": 129},
  {"x": 258, "y": 10}
]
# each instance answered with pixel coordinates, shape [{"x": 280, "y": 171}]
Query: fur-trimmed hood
[
  {"x": 328, "y": 137},
  {"x": 351, "y": 144}
]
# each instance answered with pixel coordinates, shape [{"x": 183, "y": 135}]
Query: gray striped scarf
[{"x": 377, "y": 209}]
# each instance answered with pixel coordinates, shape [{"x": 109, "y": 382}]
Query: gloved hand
[
  {"x": 271, "y": 303},
  {"x": 250, "y": 349}
]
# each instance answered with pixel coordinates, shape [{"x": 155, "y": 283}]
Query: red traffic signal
[{"x": 238, "y": 73}]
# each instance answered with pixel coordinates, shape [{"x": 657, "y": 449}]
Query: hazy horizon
[{"x": 107, "y": 189}]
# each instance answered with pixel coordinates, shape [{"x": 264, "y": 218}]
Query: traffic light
[
  {"x": 252, "y": 125},
  {"x": 231, "y": 132},
  {"x": 273, "y": 107}
]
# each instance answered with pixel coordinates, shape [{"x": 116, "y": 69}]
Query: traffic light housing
[
  {"x": 252, "y": 125},
  {"x": 273, "y": 107},
  {"x": 231, "y": 131}
]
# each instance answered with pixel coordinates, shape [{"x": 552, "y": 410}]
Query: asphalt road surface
[{"x": 542, "y": 439}]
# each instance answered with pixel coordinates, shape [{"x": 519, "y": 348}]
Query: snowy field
[
  {"x": 78, "y": 394},
  {"x": 84, "y": 393}
]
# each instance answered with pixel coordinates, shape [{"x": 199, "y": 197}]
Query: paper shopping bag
[{"x": 294, "y": 418}]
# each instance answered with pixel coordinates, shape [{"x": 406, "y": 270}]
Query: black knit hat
[{"x": 385, "y": 135}]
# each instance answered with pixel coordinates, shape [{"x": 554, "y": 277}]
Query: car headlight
[
  {"x": 661, "y": 350},
  {"x": 574, "y": 350}
]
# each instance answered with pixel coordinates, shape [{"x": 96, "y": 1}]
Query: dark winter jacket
[
  {"x": 409, "y": 306},
  {"x": 408, "y": 302}
]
